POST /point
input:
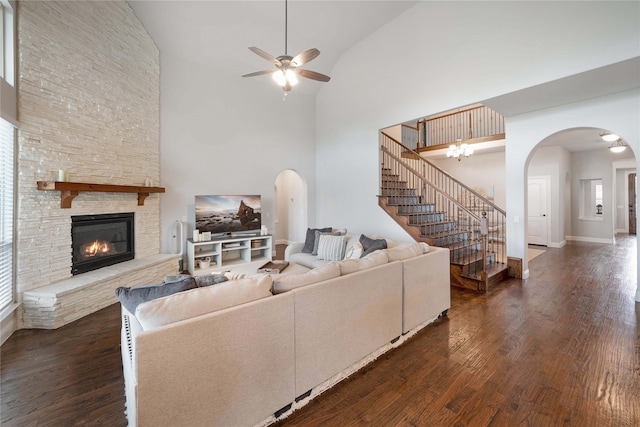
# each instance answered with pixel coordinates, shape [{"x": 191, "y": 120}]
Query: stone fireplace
[
  {"x": 101, "y": 240},
  {"x": 89, "y": 104}
]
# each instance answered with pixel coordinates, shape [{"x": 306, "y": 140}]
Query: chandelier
[{"x": 459, "y": 149}]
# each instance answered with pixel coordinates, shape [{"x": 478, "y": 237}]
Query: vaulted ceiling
[{"x": 216, "y": 34}]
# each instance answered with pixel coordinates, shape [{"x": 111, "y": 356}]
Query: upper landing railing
[{"x": 472, "y": 124}]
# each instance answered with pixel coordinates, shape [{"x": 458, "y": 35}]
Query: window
[
  {"x": 8, "y": 124},
  {"x": 7, "y": 143},
  {"x": 591, "y": 199}
]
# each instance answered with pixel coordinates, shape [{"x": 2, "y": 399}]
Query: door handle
[{"x": 544, "y": 214}]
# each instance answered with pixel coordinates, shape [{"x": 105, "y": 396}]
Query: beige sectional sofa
[{"x": 247, "y": 364}]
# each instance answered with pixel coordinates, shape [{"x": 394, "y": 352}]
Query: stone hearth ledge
[{"x": 60, "y": 303}]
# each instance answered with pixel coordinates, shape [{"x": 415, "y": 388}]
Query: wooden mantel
[{"x": 69, "y": 190}]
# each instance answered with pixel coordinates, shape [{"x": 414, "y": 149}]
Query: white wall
[
  {"x": 221, "y": 134},
  {"x": 368, "y": 91}
]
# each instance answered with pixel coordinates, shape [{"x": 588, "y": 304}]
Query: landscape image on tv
[{"x": 228, "y": 214}]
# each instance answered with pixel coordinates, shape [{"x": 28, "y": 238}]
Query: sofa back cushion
[
  {"x": 287, "y": 283},
  {"x": 374, "y": 259},
  {"x": 196, "y": 302},
  {"x": 404, "y": 251}
]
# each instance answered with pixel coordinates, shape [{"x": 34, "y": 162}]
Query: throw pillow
[
  {"x": 175, "y": 277},
  {"x": 200, "y": 301},
  {"x": 371, "y": 245},
  {"x": 210, "y": 279},
  {"x": 331, "y": 248},
  {"x": 354, "y": 252},
  {"x": 311, "y": 238},
  {"x": 317, "y": 242},
  {"x": 130, "y": 298}
]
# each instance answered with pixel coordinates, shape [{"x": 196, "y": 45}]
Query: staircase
[{"x": 435, "y": 208}]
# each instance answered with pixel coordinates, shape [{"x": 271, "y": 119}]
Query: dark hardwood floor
[{"x": 562, "y": 348}]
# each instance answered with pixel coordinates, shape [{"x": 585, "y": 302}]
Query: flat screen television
[{"x": 228, "y": 214}]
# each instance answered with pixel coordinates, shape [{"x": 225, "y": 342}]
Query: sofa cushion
[
  {"x": 199, "y": 301},
  {"x": 349, "y": 266},
  {"x": 371, "y": 245},
  {"x": 404, "y": 251},
  {"x": 331, "y": 247},
  {"x": 132, "y": 297},
  {"x": 311, "y": 238},
  {"x": 287, "y": 283},
  {"x": 307, "y": 260}
]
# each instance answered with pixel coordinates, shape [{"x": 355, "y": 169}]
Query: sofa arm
[{"x": 293, "y": 248}]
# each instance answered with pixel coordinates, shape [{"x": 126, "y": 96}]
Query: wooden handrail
[{"x": 450, "y": 113}]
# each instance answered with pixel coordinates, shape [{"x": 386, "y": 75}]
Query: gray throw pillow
[
  {"x": 310, "y": 240},
  {"x": 130, "y": 298},
  {"x": 369, "y": 245},
  {"x": 210, "y": 279}
]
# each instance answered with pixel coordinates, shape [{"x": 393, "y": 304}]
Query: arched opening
[
  {"x": 589, "y": 184},
  {"x": 291, "y": 207}
]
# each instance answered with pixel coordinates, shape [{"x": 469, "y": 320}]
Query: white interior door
[{"x": 538, "y": 219}]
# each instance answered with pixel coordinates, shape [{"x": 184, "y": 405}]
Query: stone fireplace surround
[{"x": 88, "y": 104}]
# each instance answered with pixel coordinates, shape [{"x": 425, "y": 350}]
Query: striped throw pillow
[{"x": 331, "y": 248}]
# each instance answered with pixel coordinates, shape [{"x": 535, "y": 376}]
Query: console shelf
[
  {"x": 69, "y": 190},
  {"x": 227, "y": 253}
]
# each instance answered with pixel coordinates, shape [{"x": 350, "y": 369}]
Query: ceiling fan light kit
[{"x": 287, "y": 71}]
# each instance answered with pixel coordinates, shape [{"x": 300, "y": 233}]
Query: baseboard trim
[
  {"x": 590, "y": 239},
  {"x": 558, "y": 245},
  {"x": 8, "y": 321}
]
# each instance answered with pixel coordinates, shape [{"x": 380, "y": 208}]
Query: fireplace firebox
[{"x": 101, "y": 240}]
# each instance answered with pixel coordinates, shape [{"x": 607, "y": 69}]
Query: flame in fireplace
[{"x": 98, "y": 248}]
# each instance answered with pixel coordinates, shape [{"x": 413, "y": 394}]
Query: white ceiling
[{"x": 216, "y": 34}]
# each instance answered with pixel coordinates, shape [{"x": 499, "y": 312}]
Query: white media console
[{"x": 228, "y": 254}]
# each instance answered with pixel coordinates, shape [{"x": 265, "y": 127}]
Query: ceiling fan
[{"x": 286, "y": 72}]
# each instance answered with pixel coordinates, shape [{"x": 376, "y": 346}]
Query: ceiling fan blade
[
  {"x": 264, "y": 54},
  {"x": 259, "y": 73},
  {"x": 313, "y": 75},
  {"x": 304, "y": 57}
]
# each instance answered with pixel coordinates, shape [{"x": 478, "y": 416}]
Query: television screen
[{"x": 228, "y": 214}]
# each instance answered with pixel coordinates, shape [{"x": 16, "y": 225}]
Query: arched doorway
[
  {"x": 589, "y": 199},
  {"x": 291, "y": 207}
]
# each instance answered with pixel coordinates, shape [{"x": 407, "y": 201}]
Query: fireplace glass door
[{"x": 101, "y": 240}]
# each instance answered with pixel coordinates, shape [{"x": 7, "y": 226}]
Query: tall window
[
  {"x": 8, "y": 124},
  {"x": 6, "y": 212}
]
